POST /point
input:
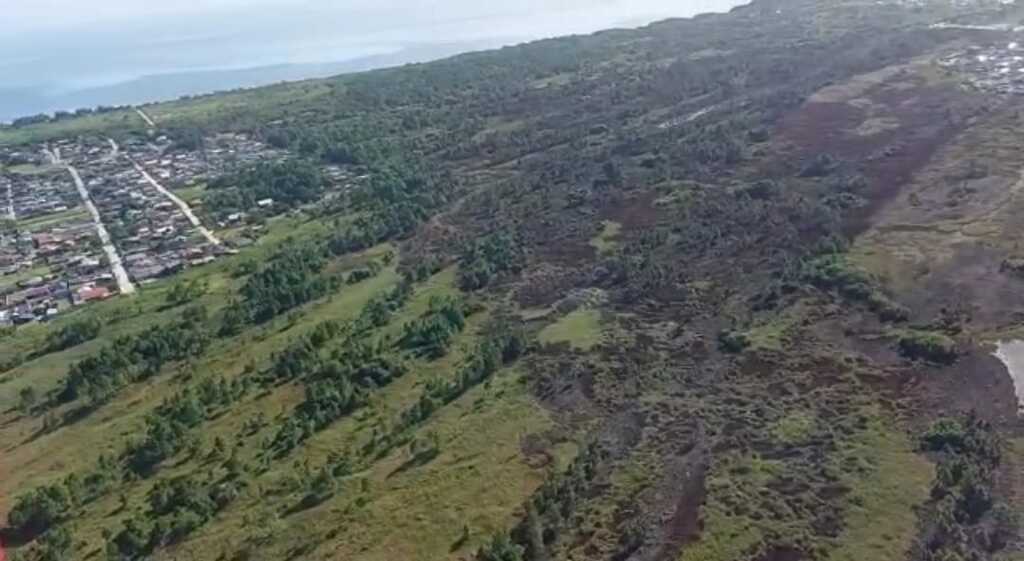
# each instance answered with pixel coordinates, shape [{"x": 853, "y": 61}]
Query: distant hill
[{"x": 21, "y": 102}]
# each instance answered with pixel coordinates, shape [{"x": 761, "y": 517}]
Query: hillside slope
[{"x": 725, "y": 288}]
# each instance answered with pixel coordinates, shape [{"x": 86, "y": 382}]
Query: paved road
[
  {"x": 185, "y": 209},
  {"x": 115, "y": 149},
  {"x": 124, "y": 283},
  {"x": 146, "y": 118},
  {"x": 10, "y": 203}
]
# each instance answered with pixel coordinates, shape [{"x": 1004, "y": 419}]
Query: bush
[
  {"x": 968, "y": 453},
  {"x": 943, "y": 433},
  {"x": 500, "y": 548},
  {"x": 886, "y": 309},
  {"x": 55, "y": 545},
  {"x": 732, "y": 341},
  {"x": 820, "y": 166},
  {"x": 927, "y": 345},
  {"x": 185, "y": 292},
  {"x": 431, "y": 335},
  {"x": 487, "y": 258},
  {"x": 832, "y": 272},
  {"x": 40, "y": 509},
  {"x": 74, "y": 334}
]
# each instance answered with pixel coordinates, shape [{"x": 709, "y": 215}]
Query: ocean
[{"x": 140, "y": 59}]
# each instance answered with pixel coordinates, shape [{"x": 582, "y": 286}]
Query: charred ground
[{"x": 715, "y": 289}]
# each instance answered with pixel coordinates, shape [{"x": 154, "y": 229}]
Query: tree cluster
[
  {"x": 178, "y": 507},
  {"x": 290, "y": 279},
  {"x": 486, "y": 258},
  {"x": 337, "y": 387},
  {"x": 167, "y": 428},
  {"x": 963, "y": 524},
  {"x": 432, "y": 335},
  {"x": 74, "y": 334},
  {"x": 501, "y": 348},
  {"x": 288, "y": 183},
  {"x": 130, "y": 359}
]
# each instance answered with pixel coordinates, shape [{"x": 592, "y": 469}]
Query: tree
[
  {"x": 40, "y": 509},
  {"x": 27, "y": 399},
  {"x": 185, "y": 292},
  {"x": 74, "y": 334},
  {"x": 321, "y": 488},
  {"x": 56, "y": 545},
  {"x": 533, "y": 536},
  {"x": 500, "y": 548}
]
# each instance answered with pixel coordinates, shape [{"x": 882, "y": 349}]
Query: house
[
  {"x": 265, "y": 203},
  {"x": 91, "y": 294},
  {"x": 41, "y": 240},
  {"x": 37, "y": 293},
  {"x": 32, "y": 282}
]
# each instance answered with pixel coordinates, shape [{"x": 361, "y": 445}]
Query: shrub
[
  {"x": 40, "y": 509},
  {"x": 500, "y": 548},
  {"x": 928, "y": 345},
  {"x": 943, "y": 433},
  {"x": 732, "y": 341},
  {"x": 74, "y": 334}
]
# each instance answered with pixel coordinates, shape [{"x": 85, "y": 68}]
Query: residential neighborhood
[{"x": 85, "y": 219}]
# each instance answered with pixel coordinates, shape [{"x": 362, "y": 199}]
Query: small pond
[{"x": 1012, "y": 355}]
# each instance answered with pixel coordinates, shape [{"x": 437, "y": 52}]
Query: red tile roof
[{"x": 87, "y": 294}]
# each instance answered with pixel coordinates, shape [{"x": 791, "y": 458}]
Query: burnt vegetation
[{"x": 673, "y": 193}]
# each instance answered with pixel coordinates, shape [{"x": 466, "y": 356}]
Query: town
[
  {"x": 997, "y": 68},
  {"x": 87, "y": 219}
]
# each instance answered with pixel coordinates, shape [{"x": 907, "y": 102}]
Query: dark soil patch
[
  {"x": 685, "y": 526},
  {"x": 782, "y": 554},
  {"x": 928, "y": 117},
  {"x": 977, "y": 382},
  {"x": 971, "y": 280}
]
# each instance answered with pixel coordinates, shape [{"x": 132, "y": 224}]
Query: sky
[
  {"x": 26, "y": 16},
  {"x": 50, "y": 50}
]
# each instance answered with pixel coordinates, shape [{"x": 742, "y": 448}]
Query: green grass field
[
  {"x": 46, "y": 221},
  {"x": 581, "y": 329},
  {"x": 99, "y": 123}
]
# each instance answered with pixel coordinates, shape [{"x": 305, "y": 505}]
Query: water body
[
  {"x": 67, "y": 54},
  {"x": 1012, "y": 355}
]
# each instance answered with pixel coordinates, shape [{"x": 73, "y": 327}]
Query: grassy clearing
[
  {"x": 76, "y": 214},
  {"x": 191, "y": 195},
  {"x": 771, "y": 336},
  {"x": 32, "y": 169},
  {"x": 20, "y": 276},
  {"x": 419, "y": 514},
  {"x": 581, "y": 329},
  {"x": 605, "y": 242},
  {"x": 794, "y": 428},
  {"x": 98, "y": 123},
  {"x": 881, "y": 522}
]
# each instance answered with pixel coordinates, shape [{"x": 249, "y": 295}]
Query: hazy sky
[
  {"x": 22, "y": 16},
  {"x": 50, "y": 49}
]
